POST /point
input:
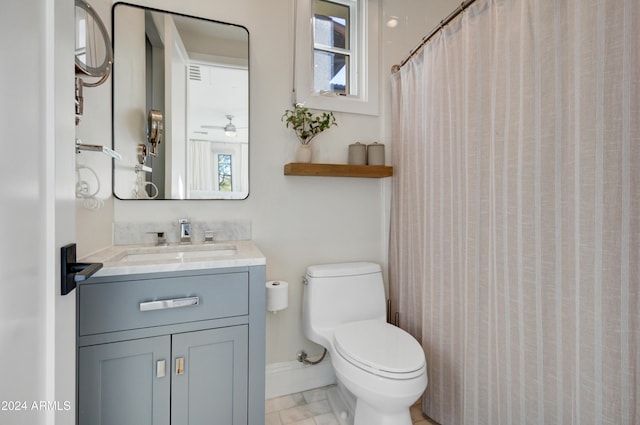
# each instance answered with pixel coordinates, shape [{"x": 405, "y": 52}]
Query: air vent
[{"x": 194, "y": 73}]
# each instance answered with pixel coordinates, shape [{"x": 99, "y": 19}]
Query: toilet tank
[{"x": 341, "y": 293}]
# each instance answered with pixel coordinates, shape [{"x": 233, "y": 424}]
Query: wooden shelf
[{"x": 337, "y": 170}]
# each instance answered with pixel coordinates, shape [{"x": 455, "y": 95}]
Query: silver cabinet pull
[
  {"x": 160, "y": 368},
  {"x": 174, "y": 303}
]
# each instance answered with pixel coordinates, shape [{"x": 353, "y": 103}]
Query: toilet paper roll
[{"x": 277, "y": 295}]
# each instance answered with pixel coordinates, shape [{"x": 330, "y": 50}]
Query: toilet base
[
  {"x": 343, "y": 404},
  {"x": 379, "y": 401},
  {"x": 349, "y": 410},
  {"x": 368, "y": 415}
]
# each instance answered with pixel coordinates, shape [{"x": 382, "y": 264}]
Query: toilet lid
[{"x": 380, "y": 348}]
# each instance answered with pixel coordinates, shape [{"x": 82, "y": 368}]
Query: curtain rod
[{"x": 426, "y": 38}]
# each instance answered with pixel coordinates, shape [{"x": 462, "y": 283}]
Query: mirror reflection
[{"x": 180, "y": 106}]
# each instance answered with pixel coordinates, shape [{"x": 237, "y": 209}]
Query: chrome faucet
[{"x": 185, "y": 231}]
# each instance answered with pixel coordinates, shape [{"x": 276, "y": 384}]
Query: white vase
[{"x": 303, "y": 153}]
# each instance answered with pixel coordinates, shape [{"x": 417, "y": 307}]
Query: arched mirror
[
  {"x": 93, "y": 53},
  {"x": 185, "y": 79}
]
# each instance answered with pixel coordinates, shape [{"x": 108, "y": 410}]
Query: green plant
[{"x": 305, "y": 124}]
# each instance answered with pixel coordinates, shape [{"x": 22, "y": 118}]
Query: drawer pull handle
[{"x": 174, "y": 303}]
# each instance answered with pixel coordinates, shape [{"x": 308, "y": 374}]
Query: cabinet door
[
  {"x": 211, "y": 388},
  {"x": 121, "y": 383}
]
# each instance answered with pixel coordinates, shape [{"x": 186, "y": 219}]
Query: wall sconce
[{"x": 155, "y": 130}]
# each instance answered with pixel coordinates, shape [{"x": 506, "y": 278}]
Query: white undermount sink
[{"x": 176, "y": 252}]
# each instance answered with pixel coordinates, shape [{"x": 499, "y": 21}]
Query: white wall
[
  {"x": 37, "y": 324},
  {"x": 93, "y": 227},
  {"x": 296, "y": 221}
]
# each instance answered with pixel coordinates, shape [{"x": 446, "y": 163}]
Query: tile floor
[{"x": 312, "y": 408}]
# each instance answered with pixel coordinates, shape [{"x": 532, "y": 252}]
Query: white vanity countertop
[{"x": 246, "y": 254}]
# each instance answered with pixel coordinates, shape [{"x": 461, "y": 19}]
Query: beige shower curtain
[
  {"x": 202, "y": 176},
  {"x": 515, "y": 235}
]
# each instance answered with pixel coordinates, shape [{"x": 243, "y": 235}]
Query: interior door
[{"x": 37, "y": 324}]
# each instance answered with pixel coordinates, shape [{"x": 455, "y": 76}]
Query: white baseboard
[{"x": 294, "y": 377}]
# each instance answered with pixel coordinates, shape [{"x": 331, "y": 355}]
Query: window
[
  {"x": 224, "y": 173},
  {"x": 336, "y": 58},
  {"x": 332, "y": 47}
]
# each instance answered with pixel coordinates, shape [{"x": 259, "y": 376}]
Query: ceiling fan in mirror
[{"x": 230, "y": 130}]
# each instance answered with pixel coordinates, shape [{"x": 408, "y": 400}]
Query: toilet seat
[{"x": 380, "y": 348}]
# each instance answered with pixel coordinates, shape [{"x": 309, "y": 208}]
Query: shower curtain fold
[{"x": 515, "y": 222}]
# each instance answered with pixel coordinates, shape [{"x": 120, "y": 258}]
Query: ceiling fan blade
[{"x": 220, "y": 127}]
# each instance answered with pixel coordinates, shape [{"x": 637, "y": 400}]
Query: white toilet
[{"x": 382, "y": 367}]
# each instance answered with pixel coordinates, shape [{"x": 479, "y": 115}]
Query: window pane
[
  {"x": 331, "y": 72},
  {"x": 224, "y": 172},
  {"x": 331, "y": 24}
]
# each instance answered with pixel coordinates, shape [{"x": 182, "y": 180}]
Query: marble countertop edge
[{"x": 247, "y": 254}]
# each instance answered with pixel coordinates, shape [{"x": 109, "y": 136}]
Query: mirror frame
[{"x": 113, "y": 95}]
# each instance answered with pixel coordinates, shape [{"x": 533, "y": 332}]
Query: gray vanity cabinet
[{"x": 147, "y": 356}]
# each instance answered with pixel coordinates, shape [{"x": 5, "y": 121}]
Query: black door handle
[{"x": 72, "y": 271}]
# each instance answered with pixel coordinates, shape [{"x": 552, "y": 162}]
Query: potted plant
[{"x": 306, "y": 126}]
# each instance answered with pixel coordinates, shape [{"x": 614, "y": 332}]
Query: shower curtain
[
  {"x": 200, "y": 167},
  {"x": 515, "y": 234}
]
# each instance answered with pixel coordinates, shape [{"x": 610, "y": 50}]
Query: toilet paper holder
[{"x": 277, "y": 297}]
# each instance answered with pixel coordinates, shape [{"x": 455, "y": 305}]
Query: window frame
[{"x": 366, "y": 64}]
